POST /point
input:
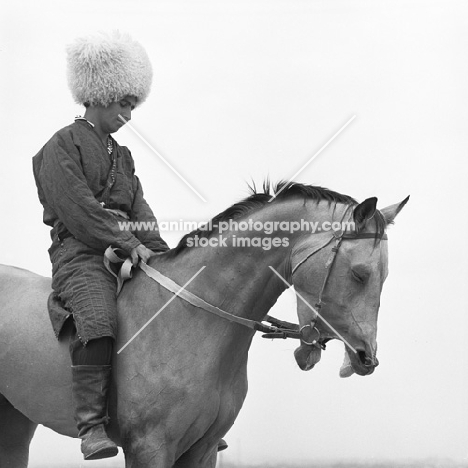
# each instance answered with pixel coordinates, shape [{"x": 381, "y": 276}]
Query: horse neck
[{"x": 240, "y": 279}]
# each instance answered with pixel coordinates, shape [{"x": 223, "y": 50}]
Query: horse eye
[{"x": 357, "y": 277}]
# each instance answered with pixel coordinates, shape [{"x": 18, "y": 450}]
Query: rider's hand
[{"x": 141, "y": 252}]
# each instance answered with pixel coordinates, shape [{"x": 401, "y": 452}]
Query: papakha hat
[{"x": 103, "y": 68}]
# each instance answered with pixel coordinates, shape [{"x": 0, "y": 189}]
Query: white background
[{"x": 252, "y": 89}]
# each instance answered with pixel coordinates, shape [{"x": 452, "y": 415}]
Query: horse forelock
[{"x": 281, "y": 191}]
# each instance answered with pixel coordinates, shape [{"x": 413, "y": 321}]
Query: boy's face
[{"x": 110, "y": 116}]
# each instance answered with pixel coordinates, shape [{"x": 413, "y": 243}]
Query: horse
[{"x": 179, "y": 381}]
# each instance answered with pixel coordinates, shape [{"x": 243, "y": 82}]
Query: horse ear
[
  {"x": 364, "y": 211},
  {"x": 391, "y": 211}
]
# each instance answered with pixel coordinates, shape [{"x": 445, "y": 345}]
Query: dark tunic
[{"x": 71, "y": 173}]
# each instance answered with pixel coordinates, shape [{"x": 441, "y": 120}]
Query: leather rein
[{"x": 277, "y": 328}]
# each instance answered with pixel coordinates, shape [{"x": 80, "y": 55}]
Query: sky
[{"x": 247, "y": 90}]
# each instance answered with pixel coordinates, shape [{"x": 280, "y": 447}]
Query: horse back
[{"x": 23, "y": 296}]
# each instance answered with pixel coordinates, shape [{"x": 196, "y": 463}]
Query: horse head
[{"x": 338, "y": 277}]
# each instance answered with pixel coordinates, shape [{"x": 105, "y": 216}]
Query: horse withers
[{"x": 180, "y": 380}]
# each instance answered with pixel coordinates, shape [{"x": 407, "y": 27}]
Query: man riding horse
[{"x": 86, "y": 183}]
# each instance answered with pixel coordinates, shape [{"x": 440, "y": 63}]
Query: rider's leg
[
  {"x": 88, "y": 291},
  {"x": 91, "y": 373}
]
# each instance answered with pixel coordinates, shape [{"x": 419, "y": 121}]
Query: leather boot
[{"x": 89, "y": 388}]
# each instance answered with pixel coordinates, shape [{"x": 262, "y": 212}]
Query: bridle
[{"x": 313, "y": 337}]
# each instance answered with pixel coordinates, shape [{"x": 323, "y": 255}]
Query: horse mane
[{"x": 282, "y": 191}]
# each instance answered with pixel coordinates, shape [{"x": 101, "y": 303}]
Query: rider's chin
[{"x": 307, "y": 356}]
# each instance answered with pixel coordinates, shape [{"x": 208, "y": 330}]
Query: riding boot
[
  {"x": 89, "y": 387},
  {"x": 222, "y": 445}
]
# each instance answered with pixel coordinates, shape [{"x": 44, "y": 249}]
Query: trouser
[{"x": 97, "y": 352}]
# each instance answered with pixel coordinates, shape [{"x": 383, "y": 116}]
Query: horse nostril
[
  {"x": 366, "y": 360},
  {"x": 362, "y": 357}
]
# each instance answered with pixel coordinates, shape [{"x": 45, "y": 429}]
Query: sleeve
[
  {"x": 66, "y": 190},
  {"x": 141, "y": 212}
]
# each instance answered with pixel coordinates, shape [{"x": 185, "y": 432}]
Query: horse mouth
[{"x": 307, "y": 356}]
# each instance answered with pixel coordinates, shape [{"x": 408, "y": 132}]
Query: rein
[
  {"x": 278, "y": 329},
  {"x": 196, "y": 301}
]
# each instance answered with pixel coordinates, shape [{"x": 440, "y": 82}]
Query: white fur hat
[{"x": 103, "y": 68}]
